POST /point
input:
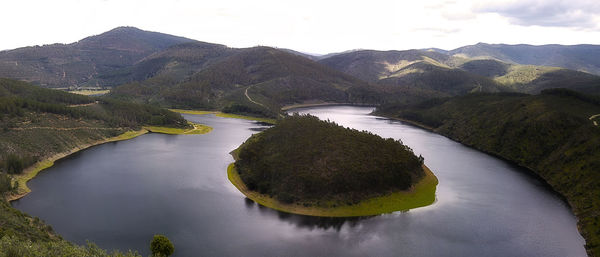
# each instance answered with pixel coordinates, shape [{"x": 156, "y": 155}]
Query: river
[{"x": 120, "y": 194}]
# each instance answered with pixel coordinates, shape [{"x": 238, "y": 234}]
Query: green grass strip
[
  {"x": 422, "y": 194},
  {"x": 33, "y": 170},
  {"x": 198, "y": 129},
  {"x": 225, "y": 115}
]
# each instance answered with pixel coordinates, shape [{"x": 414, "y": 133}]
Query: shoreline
[
  {"x": 225, "y": 115},
  {"x": 420, "y": 195},
  {"x": 414, "y": 123},
  {"x": 525, "y": 169},
  {"x": 294, "y": 106},
  {"x": 32, "y": 171}
]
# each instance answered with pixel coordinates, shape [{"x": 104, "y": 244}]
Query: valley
[{"x": 163, "y": 113}]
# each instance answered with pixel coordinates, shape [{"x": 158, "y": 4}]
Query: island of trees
[{"x": 307, "y": 166}]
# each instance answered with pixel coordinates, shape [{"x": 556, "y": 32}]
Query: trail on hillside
[
  {"x": 250, "y": 99},
  {"x": 593, "y": 117}
]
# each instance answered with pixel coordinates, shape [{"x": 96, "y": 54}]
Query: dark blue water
[{"x": 119, "y": 195}]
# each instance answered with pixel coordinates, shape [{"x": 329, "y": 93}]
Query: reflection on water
[
  {"x": 304, "y": 221},
  {"x": 119, "y": 195}
]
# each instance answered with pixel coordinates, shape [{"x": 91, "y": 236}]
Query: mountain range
[{"x": 173, "y": 71}]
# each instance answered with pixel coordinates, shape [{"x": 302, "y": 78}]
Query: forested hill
[
  {"x": 575, "y": 57},
  {"x": 425, "y": 74},
  {"x": 38, "y": 122},
  {"x": 552, "y": 133},
  {"x": 93, "y": 61},
  {"x": 305, "y": 160},
  {"x": 256, "y": 81}
]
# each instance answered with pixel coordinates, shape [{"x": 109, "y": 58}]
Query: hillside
[
  {"x": 412, "y": 74},
  {"x": 38, "y": 124},
  {"x": 574, "y": 57},
  {"x": 88, "y": 62},
  {"x": 423, "y": 74},
  {"x": 532, "y": 78},
  {"x": 305, "y": 161},
  {"x": 372, "y": 66},
  {"x": 257, "y": 81},
  {"x": 551, "y": 134}
]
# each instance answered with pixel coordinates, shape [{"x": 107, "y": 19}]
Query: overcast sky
[{"x": 319, "y": 26}]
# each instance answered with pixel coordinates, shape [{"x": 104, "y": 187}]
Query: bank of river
[
  {"x": 421, "y": 194},
  {"x": 120, "y": 194},
  {"x": 31, "y": 172}
]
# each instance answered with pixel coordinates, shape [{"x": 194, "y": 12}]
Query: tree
[
  {"x": 161, "y": 246},
  {"x": 14, "y": 164}
]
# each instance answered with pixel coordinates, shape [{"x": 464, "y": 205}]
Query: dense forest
[
  {"x": 550, "y": 133},
  {"x": 305, "y": 160}
]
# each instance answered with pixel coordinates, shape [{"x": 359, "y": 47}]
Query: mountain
[
  {"x": 88, "y": 62},
  {"x": 371, "y": 65},
  {"x": 553, "y": 134},
  {"x": 175, "y": 62},
  {"x": 531, "y": 78},
  {"x": 584, "y": 58},
  {"x": 433, "y": 74},
  {"x": 418, "y": 73},
  {"x": 257, "y": 80}
]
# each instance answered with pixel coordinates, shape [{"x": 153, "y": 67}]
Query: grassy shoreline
[
  {"x": 420, "y": 195},
  {"x": 224, "y": 115},
  {"x": 33, "y": 170},
  {"x": 293, "y": 106},
  {"x": 196, "y": 130}
]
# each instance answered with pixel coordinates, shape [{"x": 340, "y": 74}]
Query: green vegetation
[
  {"x": 90, "y": 92},
  {"x": 195, "y": 130},
  {"x": 39, "y": 126},
  {"x": 161, "y": 246},
  {"x": 311, "y": 163},
  {"x": 575, "y": 57},
  {"x": 104, "y": 59},
  {"x": 422, "y": 194},
  {"x": 252, "y": 82},
  {"x": 225, "y": 115},
  {"x": 23, "y": 235},
  {"x": 550, "y": 134}
]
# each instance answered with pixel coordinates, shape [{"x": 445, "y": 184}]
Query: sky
[{"x": 310, "y": 26}]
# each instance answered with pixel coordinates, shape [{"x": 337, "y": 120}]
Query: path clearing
[
  {"x": 250, "y": 99},
  {"x": 593, "y": 117}
]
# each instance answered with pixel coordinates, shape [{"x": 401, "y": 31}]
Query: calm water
[{"x": 120, "y": 194}]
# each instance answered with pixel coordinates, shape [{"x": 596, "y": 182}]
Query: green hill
[
  {"x": 551, "y": 134},
  {"x": 412, "y": 75},
  {"x": 371, "y": 65},
  {"x": 312, "y": 163},
  {"x": 257, "y": 81},
  {"x": 88, "y": 62},
  {"x": 584, "y": 58},
  {"x": 38, "y": 123},
  {"x": 532, "y": 78}
]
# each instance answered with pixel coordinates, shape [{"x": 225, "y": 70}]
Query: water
[{"x": 120, "y": 194}]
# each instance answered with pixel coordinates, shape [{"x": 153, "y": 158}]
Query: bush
[
  {"x": 14, "y": 164},
  {"x": 161, "y": 246}
]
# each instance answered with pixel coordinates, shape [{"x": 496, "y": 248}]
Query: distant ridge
[
  {"x": 575, "y": 57},
  {"x": 86, "y": 62}
]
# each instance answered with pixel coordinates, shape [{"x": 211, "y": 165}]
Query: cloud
[{"x": 580, "y": 14}]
